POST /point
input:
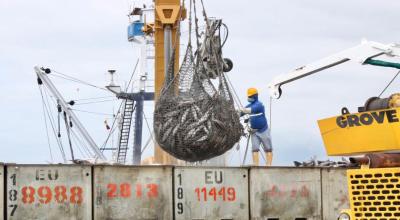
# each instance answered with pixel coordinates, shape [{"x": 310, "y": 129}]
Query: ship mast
[{"x": 42, "y": 75}]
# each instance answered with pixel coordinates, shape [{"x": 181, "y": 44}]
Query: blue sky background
[{"x": 267, "y": 38}]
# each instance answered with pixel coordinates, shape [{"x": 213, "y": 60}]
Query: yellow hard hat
[{"x": 251, "y": 92}]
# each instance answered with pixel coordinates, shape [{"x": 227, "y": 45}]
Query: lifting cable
[
  {"x": 150, "y": 131},
  {"x": 245, "y": 152},
  {"x": 133, "y": 73},
  {"x": 205, "y": 14},
  {"x": 113, "y": 128},
  {"x": 235, "y": 97},
  {"x": 94, "y": 113},
  {"x": 46, "y": 126},
  {"x": 196, "y": 24},
  {"x": 68, "y": 127},
  {"x": 82, "y": 144},
  {"x": 67, "y": 77},
  {"x": 79, "y": 149},
  {"x": 77, "y": 144},
  {"x": 387, "y": 86},
  {"x": 94, "y": 98},
  {"x": 59, "y": 110},
  {"x": 95, "y": 102},
  {"x": 50, "y": 113},
  {"x": 47, "y": 112},
  {"x": 73, "y": 79}
]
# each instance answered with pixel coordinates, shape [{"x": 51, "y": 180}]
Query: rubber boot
[
  {"x": 256, "y": 160},
  {"x": 268, "y": 155}
]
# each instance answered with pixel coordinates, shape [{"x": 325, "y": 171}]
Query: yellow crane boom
[{"x": 374, "y": 129}]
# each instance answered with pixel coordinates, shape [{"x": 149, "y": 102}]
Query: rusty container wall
[
  {"x": 285, "y": 193},
  {"x": 61, "y": 192},
  {"x": 133, "y": 193},
  {"x": 211, "y": 193},
  {"x": 334, "y": 192},
  {"x": 1, "y": 192}
]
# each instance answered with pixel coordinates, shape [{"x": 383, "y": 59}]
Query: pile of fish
[
  {"x": 196, "y": 130},
  {"x": 313, "y": 162}
]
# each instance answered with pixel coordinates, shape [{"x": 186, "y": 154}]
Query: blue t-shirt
[{"x": 258, "y": 120}]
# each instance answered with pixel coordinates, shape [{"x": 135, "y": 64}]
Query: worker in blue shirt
[{"x": 259, "y": 132}]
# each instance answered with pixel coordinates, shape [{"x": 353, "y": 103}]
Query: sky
[{"x": 266, "y": 38}]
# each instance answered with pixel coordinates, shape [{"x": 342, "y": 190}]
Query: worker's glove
[
  {"x": 251, "y": 130},
  {"x": 243, "y": 111},
  {"x": 245, "y": 134},
  {"x": 239, "y": 112},
  {"x": 246, "y": 118}
]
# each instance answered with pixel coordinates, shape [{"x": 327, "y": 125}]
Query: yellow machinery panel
[
  {"x": 350, "y": 134},
  {"x": 374, "y": 193}
]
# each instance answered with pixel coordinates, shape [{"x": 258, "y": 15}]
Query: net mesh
[{"x": 195, "y": 118}]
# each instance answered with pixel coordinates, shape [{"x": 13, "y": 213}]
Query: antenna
[
  {"x": 112, "y": 72},
  {"x": 112, "y": 86}
]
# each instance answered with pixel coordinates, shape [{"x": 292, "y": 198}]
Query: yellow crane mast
[{"x": 168, "y": 14}]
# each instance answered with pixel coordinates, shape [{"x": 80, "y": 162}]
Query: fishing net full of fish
[{"x": 194, "y": 119}]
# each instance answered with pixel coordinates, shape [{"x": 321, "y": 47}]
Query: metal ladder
[{"x": 125, "y": 131}]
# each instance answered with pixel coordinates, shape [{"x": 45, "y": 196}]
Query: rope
[
  {"x": 52, "y": 123},
  {"x": 151, "y": 132},
  {"x": 47, "y": 129},
  {"x": 95, "y": 113},
  {"x": 86, "y": 103},
  {"x": 79, "y": 149},
  {"x": 133, "y": 73},
  {"x": 237, "y": 101},
  {"x": 387, "y": 86},
  {"x": 94, "y": 98},
  {"x": 67, "y": 77},
  {"x": 112, "y": 126},
  {"x": 247, "y": 148},
  {"x": 205, "y": 15},
  {"x": 147, "y": 142},
  {"x": 119, "y": 109},
  {"x": 177, "y": 35},
  {"x": 82, "y": 145},
  {"x": 196, "y": 24}
]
